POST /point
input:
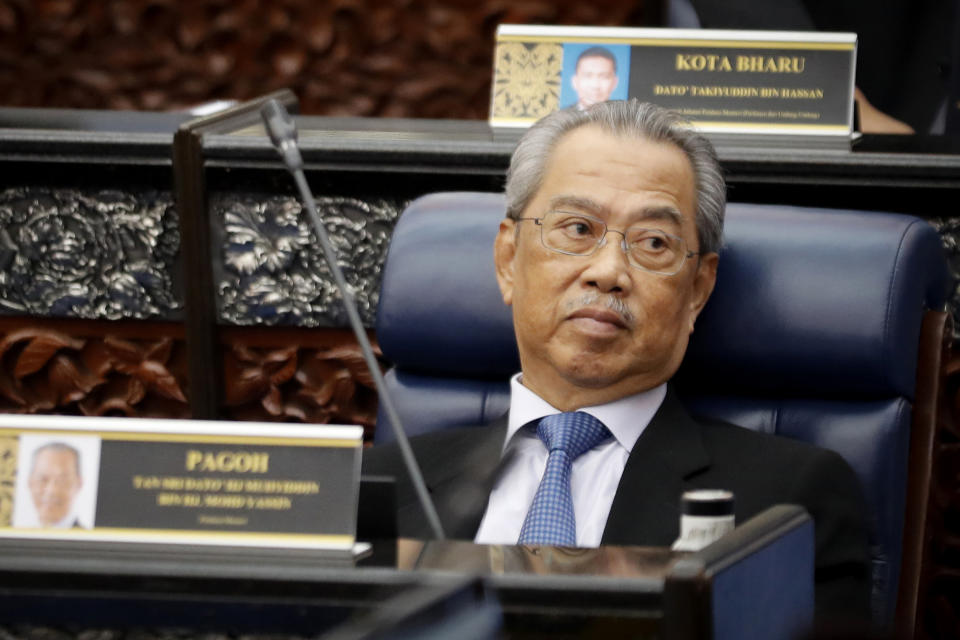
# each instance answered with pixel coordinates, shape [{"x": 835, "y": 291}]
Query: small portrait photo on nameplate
[
  {"x": 723, "y": 81},
  {"x": 56, "y": 482},
  {"x": 594, "y": 73}
]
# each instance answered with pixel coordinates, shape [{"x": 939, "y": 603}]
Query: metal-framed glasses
[{"x": 578, "y": 234}]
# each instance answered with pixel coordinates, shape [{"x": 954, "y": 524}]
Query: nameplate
[
  {"x": 742, "y": 82},
  {"x": 179, "y": 481}
]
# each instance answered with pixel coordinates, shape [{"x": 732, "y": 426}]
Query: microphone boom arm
[{"x": 283, "y": 133}]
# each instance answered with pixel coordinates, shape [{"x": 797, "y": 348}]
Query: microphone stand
[{"x": 283, "y": 133}]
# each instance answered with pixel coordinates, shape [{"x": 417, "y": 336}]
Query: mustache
[{"x": 612, "y": 303}]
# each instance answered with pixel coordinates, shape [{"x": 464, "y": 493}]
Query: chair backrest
[{"x": 812, "y": 333}]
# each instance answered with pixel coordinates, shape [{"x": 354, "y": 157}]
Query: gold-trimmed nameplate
[
  {"x": 723, "y": 81},
  {"x": 236, "y": 484}
]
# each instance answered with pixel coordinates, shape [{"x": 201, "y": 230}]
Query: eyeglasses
[{"x": 577, "y": 234}]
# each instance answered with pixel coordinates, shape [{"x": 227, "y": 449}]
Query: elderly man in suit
[{"x": 607, "y": 254}]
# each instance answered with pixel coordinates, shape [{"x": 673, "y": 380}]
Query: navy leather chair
[{"x": 814, "y": 331}]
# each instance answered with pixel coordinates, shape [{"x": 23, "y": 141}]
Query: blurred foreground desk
[{"x": 755, "y": 582}]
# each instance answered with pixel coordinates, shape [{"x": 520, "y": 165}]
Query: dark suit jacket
[{"x": 674, "y": 454}]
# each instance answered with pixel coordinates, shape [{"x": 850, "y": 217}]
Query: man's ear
[
  {"x": 504, "y": 252},
  {"x": 705, "y": 279}
]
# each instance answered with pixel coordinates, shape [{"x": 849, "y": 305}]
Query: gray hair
[
  {"x": 623, "y": 119},
  {"x": 61, "y": 447}
]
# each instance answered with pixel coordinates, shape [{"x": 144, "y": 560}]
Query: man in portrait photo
[
  {"x": 53, "y": 488},
  {"x": 595, "y": 77},
  {"x": 607, "y": 254}
]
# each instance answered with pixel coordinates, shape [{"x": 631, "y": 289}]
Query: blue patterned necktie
[{"x": 550, "y": 519}]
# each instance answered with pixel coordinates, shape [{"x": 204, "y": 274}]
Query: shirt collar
[{"x": 626, "y": 418}]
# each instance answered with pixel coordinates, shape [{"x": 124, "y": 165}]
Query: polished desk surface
[
  {"x": 392, "y": 564},
  {"x": 459, "y": 145},
  {"x": 542, "y": 590},
  {"x": 614, "y": 562},
  {"x": 907, "y": 174},
  {"x": 624, "y": 591},
  {"x": 871, "y": 172}
]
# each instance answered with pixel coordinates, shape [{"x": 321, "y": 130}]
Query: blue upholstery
[
  {"x": 836, "y": 294},
  {"x": 441, "y": 259},
  {"x": 777, "y": 608},
  {"x": 812, "y": 333}
]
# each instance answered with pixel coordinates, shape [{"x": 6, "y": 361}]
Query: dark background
[{"x": 401, "y": 58}]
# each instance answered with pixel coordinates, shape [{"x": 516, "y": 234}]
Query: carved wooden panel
[
  {"x": 299, "y": 376},
  {"x": 270, "y": 271},
  {"x": 140, "y": 370},
  {"x": 90, "y": 368},
  {"x": 949, "y": 229},
  {"x": 940, "y": 616},
  {"x": 104, "y": 254},
  {"x": 410, "y": 58}
]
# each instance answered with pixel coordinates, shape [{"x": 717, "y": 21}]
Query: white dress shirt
[{"x": 595, "y": 475}]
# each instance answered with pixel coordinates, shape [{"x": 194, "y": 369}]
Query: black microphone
[{"x": 283, "y": 133}]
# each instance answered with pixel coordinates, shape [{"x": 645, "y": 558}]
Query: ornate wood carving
[
  {"x": 92, "y": 369},
  {"x": 140, "y": 370},
  {"x": 940, "y": 583},
  {"x": 297, "y": 375},
  {"x": 88, "y": 253},
  {"x": 271, "y": 271},
  {"x": 418, "y": 58},
  {"x": 949, "y": 229}
]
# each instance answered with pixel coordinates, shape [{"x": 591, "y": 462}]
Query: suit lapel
[
  {"x": 646, "y": 507},
  {"x": 461, "y": 486}
]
